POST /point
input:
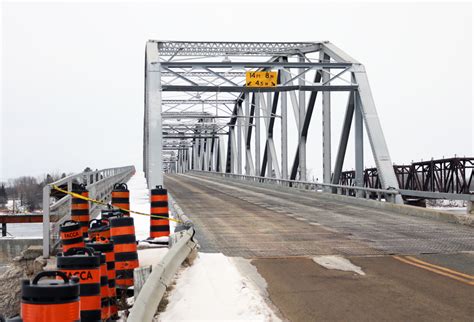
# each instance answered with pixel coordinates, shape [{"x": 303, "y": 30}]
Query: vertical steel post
[
  {"x": 359, "y": 145},
  {"x": 222, "y": 154},
  {"x": 302, "y": 114},
  {"x": 46, "y": 232},
  {"x": 326, "y": 123},
  {"x": 201, "y": 154},
  {"x": 239, "y": 138},
  {"x": 193, "y": 156},
  {"x": 153, "y": 107},
  {"x": 284, "y": 132},
  {"x": 257, "y": 133},
  {"x": 207, "y": 154},
  {"x": 232, "y": 148},
  {"x": 215, "y": 155}
]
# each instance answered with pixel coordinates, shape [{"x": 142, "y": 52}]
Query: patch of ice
[
  {"x": 337, "y": 262},
  {"x": 214, "y": 289}
]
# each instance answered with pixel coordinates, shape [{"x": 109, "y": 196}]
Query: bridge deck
[
  {"x": 258, "y": 221},
  {"x": 280, "y": 230}
]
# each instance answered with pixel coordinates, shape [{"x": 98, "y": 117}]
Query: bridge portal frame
[{"x": 198, "y": 70}]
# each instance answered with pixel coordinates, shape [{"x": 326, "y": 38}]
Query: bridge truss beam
[{"x": 196, "y": 92}]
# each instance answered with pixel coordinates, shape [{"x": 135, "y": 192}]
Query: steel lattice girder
[
  {"x": 202, "y": 82},
  {"x": 201, "y": 48}
]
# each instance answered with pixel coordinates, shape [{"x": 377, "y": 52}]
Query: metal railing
[
  {"x": 389, "y": 195},
  {"x": 361, "y": 192},
  {"x": 99, "y": 183}
]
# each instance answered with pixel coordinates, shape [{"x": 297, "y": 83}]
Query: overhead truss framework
[{"x": 198, "y": 106}]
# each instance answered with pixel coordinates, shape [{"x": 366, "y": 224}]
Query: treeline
[{"x": 27, "y": 190}]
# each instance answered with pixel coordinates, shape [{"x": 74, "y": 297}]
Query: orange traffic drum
[
  {"x": 85, "y": 264},
  {"x": 50, "y": 300},
  {"x": 71, "y": 235}
]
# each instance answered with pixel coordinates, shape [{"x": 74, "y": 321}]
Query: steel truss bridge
[
  {"x": 233, "y": 167},
  {"x": 451, "y": 175},
  {"x": 201, "y": 115}
]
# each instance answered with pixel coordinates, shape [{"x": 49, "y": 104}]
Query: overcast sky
[{"x": 72, "y": 74}]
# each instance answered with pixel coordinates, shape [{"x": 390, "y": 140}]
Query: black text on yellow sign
[{"x": 261, "y": 79}]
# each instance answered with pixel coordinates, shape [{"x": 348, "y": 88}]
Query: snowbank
[
  {"x": 213, "y": 289},
  {"x": 140, "y": 201},
  {"x": 151, "y": 256}
]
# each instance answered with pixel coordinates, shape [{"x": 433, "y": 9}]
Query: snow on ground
[
  {"x": 151, "y": 256},
  {"x": 337, "y": 262},
  {"x": 456, "y": 210},
  {"x": 214, "y": 289},
  {"x": 140, "y": 201}
]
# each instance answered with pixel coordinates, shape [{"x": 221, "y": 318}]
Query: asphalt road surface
[{"x": 416, "y": 268}]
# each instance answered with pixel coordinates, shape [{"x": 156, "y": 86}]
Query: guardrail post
[{"x": 46, "y": 232}]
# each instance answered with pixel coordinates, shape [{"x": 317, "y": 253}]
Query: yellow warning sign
[{"x": 261, "y": 79}]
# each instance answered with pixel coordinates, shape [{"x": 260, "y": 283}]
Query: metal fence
[{"x": 99, "y": 183}]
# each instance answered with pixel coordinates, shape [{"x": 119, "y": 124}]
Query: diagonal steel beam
[
  {"x": 346, "y": 128},
  {"x": 270, "y": 151},
  {"x": 307, "y": 120}
]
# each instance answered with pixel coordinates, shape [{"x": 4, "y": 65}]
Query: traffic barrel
[
  {"x": 70, "y": 233},
  {"x": 80, "y": 209},
  {"x": 121, "y": 197},
  {"x": 122, "y": 233},
  {"x": 99, "y": 228},
  {"x": 49, "y": 300},
  {"x": 104, "y": 288},
  {"x": 85, "y": 264},
  {"x": 159, "y": 207},
  {"x": 107, "y": 248}
]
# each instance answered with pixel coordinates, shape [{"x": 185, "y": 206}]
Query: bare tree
[
  {"x": 3, "y": 195},
  {"x": 28, "y": 190}
]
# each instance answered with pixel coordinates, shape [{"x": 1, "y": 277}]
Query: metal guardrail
[
  {"x": 437, "y": 195},
  {"x": 99, "y": 183},
  {"x": 361, "y": 192},
  {"x": 152, "y": 291}
]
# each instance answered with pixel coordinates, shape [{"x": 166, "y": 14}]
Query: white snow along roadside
[{"x": 214, "y": 289}]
